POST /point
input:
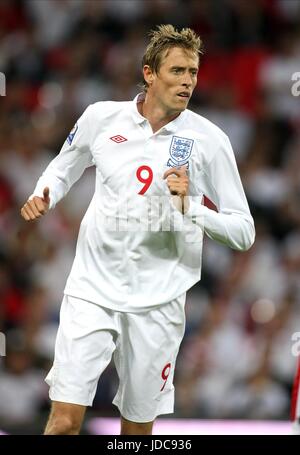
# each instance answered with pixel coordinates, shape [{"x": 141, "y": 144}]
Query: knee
[{"x": 62, "y": 425}]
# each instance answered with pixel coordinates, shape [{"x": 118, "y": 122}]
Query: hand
[
  {"x": 36, "y": 207},
  {"x": 178, "y": 184}
]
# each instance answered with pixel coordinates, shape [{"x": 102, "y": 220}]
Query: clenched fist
[
  {"x": 36, "y": 207},
  {"x": 178, "y": 184}
]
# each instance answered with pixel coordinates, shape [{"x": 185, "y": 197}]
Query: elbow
[
  {"x": 248, "y": 238},
  {"x": 248, "y": 244}
]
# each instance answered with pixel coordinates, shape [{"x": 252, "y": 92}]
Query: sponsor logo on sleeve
[{"x": 72, "y": 134}]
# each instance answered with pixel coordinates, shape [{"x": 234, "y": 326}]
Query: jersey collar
[
  {"x": 170, "y": 127},
  {"x": 137, "y": 117}
]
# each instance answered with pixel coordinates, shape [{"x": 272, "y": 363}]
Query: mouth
[{"x": 184, "y": 95}]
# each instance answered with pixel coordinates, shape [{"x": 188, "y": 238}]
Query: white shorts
[{"x": 144, "y": 345}]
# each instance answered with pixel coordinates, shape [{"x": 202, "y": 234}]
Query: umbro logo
[{"x": 118, "y": 138}]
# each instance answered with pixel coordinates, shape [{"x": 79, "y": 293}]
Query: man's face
[{"x": 173, "y": 85}]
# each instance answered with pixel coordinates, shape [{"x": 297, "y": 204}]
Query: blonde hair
[{"x": 164, "y": 38}]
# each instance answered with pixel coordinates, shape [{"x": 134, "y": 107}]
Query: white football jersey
[{"x": 134, "y": 249}]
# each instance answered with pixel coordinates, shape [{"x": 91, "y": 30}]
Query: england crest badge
[
  {"x": 72, "y": 134},
  {"x": 180, "y": 151}
]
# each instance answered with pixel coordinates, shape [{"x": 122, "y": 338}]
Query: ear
[{"x": 148, "y": 74}]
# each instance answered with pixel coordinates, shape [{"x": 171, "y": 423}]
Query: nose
[{"x": 187, "y": 81}]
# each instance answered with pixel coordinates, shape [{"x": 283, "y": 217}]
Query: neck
[{"x": 155, "y": 114}]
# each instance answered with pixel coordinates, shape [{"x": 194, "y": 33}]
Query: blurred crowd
[{"x": 58, "y": 56}]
